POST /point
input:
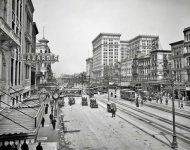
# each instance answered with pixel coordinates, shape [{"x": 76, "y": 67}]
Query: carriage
[
  {"x": 84, "y": 101},
  {"x": 111, "y": 106},
  {"x": 93, "y": 103},
  {"x": 71, "y": 100}
]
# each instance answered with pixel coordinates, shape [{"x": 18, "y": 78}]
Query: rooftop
[
  {"x": 144, "y": 36},
  {"x": 176, "y": 43},
  {"x": 186, "y": 29},
  {"x": 106, "y": 34}
]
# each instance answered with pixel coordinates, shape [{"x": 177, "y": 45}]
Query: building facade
[
  {"x": 106, "y": 51},
  {"x": 17, "y": 35},
  {"x": 181, "y": 63}
]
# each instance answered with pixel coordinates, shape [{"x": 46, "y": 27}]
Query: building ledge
[{"x": 8, "y": 34}]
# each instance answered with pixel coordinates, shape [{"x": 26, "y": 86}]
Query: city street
[{"x": 94, "y": 128}]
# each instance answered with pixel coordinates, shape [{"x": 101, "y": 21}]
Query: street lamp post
[
  {"x": 174, "y": 142},
  {"x": 171, "y": 80}
]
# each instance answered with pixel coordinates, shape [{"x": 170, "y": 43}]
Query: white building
[{"x": 106, "y": 51}]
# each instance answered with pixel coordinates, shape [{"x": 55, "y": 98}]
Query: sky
[{"x": 72, "y": 25}]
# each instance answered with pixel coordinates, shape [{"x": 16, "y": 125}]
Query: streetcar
[
  {"x": 90, "y": 90},
  {"x": 95, "y": 90},
  {"x": 102, "y": 89},
  {"x": 129, "y": 95}
]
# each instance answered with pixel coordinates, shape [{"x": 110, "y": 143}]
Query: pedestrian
[
  {"x": 160, "y": 100},
  {"x": 166, "y": 101},
  {"x": 157, "y": 99},
  {"x": 3, "y": 147},
  {"x": 24, "y": 146},
  {"x": 51, "y": 117},
  {"x": 54, "y": 123},
  {"x": 43, "y": 120},
  {"x": 39, "y": 147},
  {"x": 14, "y": 147},
  {"x": 137, "y": 102},
  {"x": 113, "y": 113},
  {"x": 8, "y": 147},
  {"x": 181, "y": 105},
  {"x": 111, "y": 94},
  {"x": 46, "y": 108},
  {"x": 142, "y": 103}
]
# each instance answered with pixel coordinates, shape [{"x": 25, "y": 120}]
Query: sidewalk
[{"x": 48, "y": 137}]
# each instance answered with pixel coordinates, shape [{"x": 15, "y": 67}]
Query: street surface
[{"x": 94, "y": 128}]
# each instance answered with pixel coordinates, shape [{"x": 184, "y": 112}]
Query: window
[
  {"x": 164, "y": 56},
  {"x": 188, "y": 61},
  {"x": 169, "y": 56},
  {"x": 17, "y": 8},
  {"x": 5, "y": 10},
  {"x": 27, "y": 71},
  {"x": 13, "y": 5},
  {"x": 12, "y": 63},
  {"x": 27, "y": 47},
  {"x": 28, "y": 23}
]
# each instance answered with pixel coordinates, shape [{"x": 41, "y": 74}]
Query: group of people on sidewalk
[
  {"x": 159, "y": 96},
  {"x": 51, "y": 117}
]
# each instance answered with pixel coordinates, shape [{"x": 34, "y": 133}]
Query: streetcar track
[
  {"x": 162, "y": 128},
  {"x": 181, "y": 126},
  {"x": 179, "y": 113}
]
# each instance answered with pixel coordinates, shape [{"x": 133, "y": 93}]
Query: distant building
[
  {"x": 89, "y": 65},
  {"x": 105, "y": 52},
  {"x": 44, "y": 71}
]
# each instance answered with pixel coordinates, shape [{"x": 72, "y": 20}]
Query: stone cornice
[{"x": 106, "y": 34}]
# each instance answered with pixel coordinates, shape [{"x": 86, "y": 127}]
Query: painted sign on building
[{"x": 39, "y": 57}]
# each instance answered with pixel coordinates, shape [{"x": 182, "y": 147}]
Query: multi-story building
[
  {"x": 181, "y": 63},
  {"x": 11, "y": 21},
  {"x": 105, "y": 52},
  {"x": 150, "y": 71}
]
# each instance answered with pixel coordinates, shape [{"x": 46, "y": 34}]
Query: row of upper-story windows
[
  {"x": 146, "y": 62},
  {"x": 177, "y": 50}
]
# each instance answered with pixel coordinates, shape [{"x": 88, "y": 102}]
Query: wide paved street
[{"x": 94, "y": 128}]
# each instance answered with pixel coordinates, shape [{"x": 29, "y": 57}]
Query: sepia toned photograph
[{"x": 94, "y": 74}]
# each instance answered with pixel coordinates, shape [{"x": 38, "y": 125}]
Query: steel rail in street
[{"x": 153, "y": 124}]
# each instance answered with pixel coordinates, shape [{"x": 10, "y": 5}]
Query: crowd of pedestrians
[
  {"x": 162, "y": 98},
  {"x": 14, "y": 146}
]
